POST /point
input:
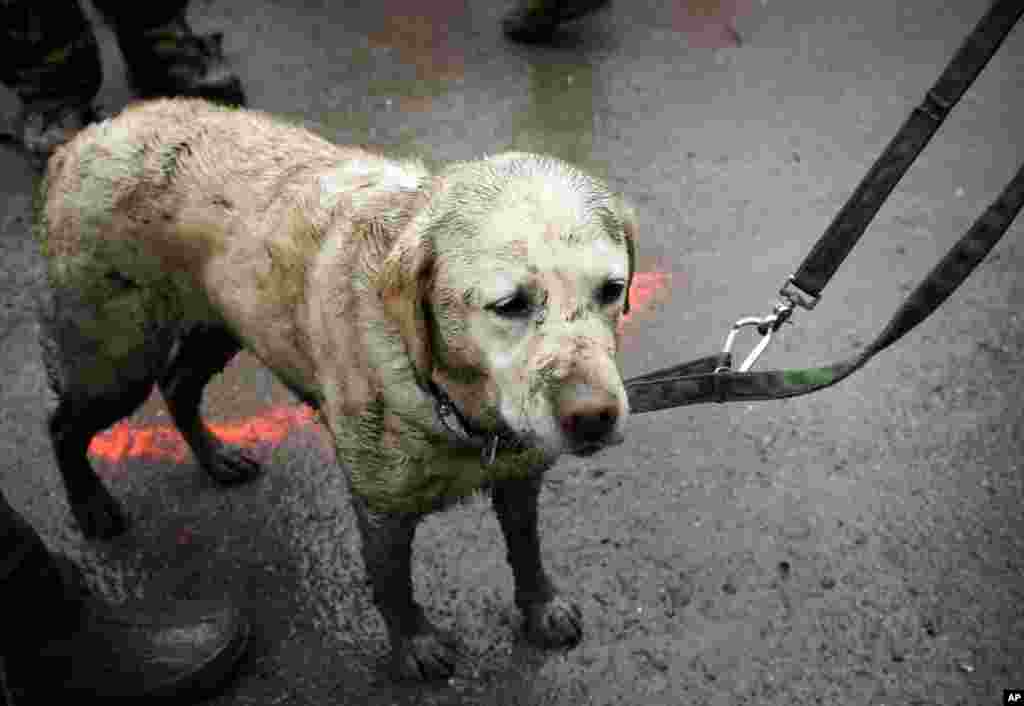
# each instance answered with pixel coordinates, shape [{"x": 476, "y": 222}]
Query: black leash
[{"x": 712, "y": 379}]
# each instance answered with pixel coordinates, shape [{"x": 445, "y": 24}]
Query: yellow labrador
[{"x": 455, "y": 330}]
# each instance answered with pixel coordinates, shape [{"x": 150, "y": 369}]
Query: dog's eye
[
  {"x": 514, "y": 306},
  {"x": 610, "y": 291}
]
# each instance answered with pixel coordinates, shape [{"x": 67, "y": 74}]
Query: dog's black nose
[{"x": 588, "y": 416}]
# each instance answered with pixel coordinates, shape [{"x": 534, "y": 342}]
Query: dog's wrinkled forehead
[{"x": 526, "y": 208}]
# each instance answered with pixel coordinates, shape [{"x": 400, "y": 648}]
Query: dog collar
[{"x": 455, "y": 422}]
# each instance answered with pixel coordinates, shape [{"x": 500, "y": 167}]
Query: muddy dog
[{"x": 455, "y": 330}]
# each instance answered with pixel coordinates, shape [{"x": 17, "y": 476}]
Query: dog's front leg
[
  {"x": 418, "y": 649},
  {"x": 552, "y": 620}
]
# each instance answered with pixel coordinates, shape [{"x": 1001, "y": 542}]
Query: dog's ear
[
  {"x": 403, "y": 287},
  {"x": 627, "y": 217}
]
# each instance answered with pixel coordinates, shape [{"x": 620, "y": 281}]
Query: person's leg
[
  {"x": 52, "y": 63},
  {"x": 134, "y": 16},
  {"x": 165, "y": 57},
  {"x": 59, "y": 639},
  {"x": 536, "y": 20}
]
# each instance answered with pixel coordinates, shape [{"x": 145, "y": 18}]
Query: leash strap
[
  {"x": 711, "y": 379},
  {"x": 698, "y": 381},
  {"x": 852, "y": 220}
]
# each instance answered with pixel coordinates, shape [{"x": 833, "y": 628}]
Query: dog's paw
[
  {"x": 425, "y": 657},
  {"x": 230, "y": 465},
  {"x": 554, "y": 623},
  {"x": 99, "y": 515}
]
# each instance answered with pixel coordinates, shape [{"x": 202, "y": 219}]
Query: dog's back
[
  {"x": 180, "y": 213},
  {"x": 172, "y": 176}
]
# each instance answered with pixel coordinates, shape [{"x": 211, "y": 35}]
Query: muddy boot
[
  {"x": 172, "y": 60},
  {"x": 535, "y": 21},
  {"x": 59, "y": 639}
]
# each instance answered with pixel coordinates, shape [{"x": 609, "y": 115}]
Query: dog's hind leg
[
  {"x": 199, "y": 355},
  {"x": 72, "y": 425},
  {"x": 94, "y": 384}
]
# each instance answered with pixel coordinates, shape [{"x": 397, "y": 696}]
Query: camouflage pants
[{"x": 50, "y": 51}]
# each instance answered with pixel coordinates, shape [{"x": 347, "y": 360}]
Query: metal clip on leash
[
  {"x": 766, "y": 326},
  {"x": 792, "y": 297}
]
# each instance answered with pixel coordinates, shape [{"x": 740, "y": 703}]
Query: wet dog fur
[{"x": 179, "y": 232}]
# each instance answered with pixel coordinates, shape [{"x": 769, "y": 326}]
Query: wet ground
[{"x": 862, "y": 545}]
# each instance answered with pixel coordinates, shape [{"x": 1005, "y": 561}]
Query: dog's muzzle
[{"x": 588, "y": 418}]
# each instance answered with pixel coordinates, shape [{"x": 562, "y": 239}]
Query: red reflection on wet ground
[
  {"x": 421, "y": 34},
  {"x": 162, "y": 442},
  {"x": 643, "y": 292},
  {"x": 710, "y": 23}
]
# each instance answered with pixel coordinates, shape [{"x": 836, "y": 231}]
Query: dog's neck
[{"x": 452, "y": 419}]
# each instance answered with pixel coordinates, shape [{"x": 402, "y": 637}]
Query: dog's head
[{"x": 508, "y": 289}]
